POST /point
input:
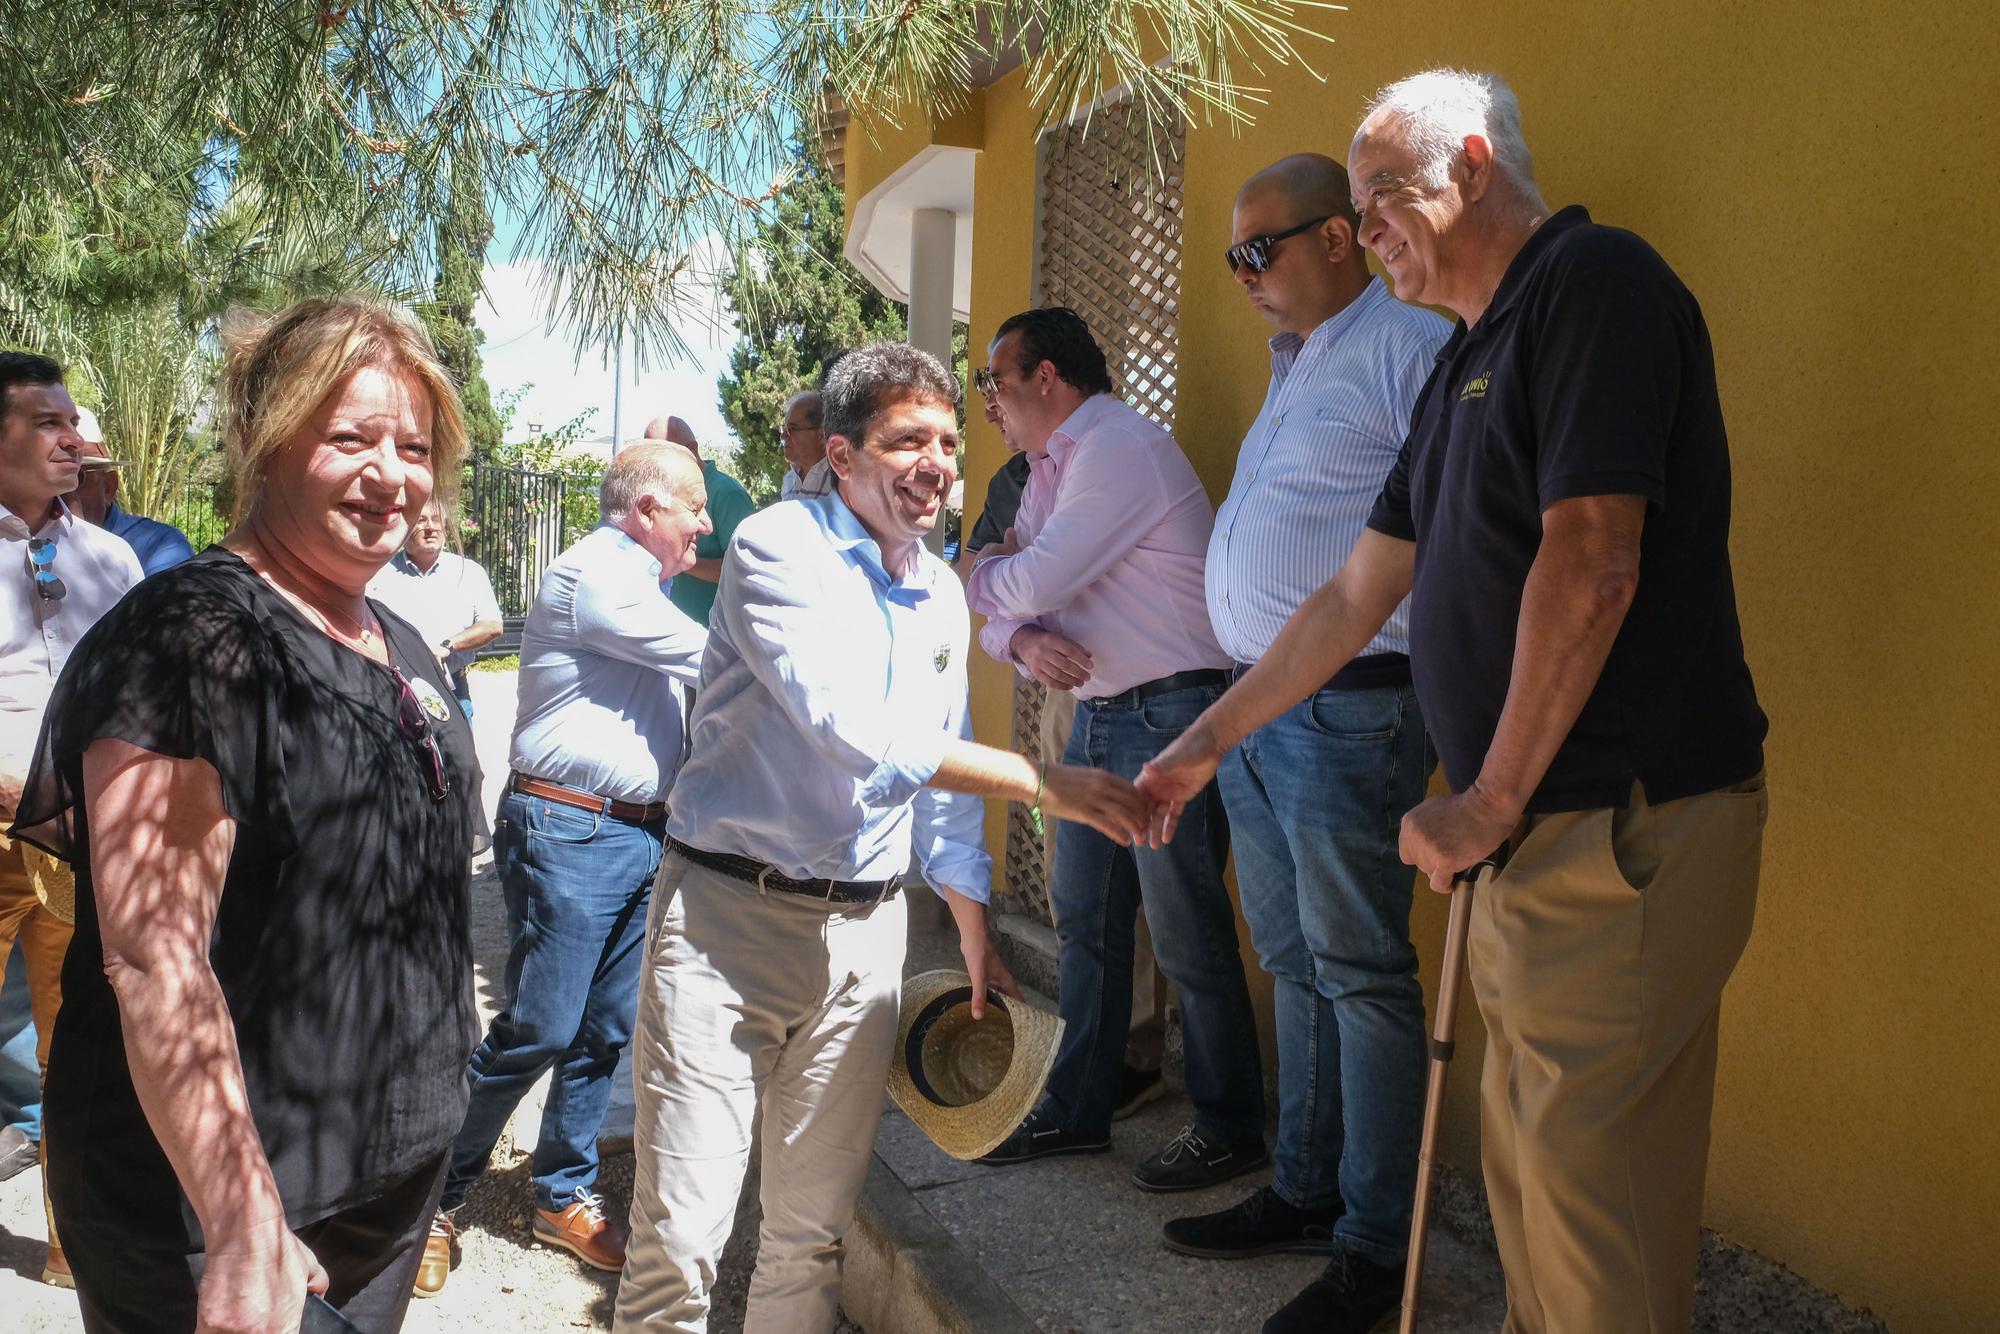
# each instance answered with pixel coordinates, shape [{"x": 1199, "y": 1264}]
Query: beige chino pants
[
  {"x": 1598, "y": 959},
  {"x": 769, "y": 1010}
]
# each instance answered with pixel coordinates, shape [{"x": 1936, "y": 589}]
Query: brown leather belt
[
  {"x": 767, "y": 877},
  {"x": 629, "y": 811}
]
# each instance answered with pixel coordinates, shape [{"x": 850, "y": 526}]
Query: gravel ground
[{"x": 503, "y": 1282}]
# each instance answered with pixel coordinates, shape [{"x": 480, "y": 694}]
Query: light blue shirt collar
[{"x": 846, "y": 534}]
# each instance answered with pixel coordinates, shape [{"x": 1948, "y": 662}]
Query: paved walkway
[{"x": 1077, "y": 1246}]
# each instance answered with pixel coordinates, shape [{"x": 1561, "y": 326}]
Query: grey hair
[
  {"x": 815, "y": 405},
  {"x": 643, "y": 468},
  {"x": 1436, "y": 109},
  {"x": 871, "y": 377}
]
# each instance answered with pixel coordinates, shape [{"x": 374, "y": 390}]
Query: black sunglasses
[
  {"x": 1255, "y": 253},
  {"x": 416, "y": 724},
  {"x": 42, "y": 565}
]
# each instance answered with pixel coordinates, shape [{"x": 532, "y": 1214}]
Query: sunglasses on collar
[
  {"x": 1255, "y": 253},
  {"x": 42, "y": 565}
]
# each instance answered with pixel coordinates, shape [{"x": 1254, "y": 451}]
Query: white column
[{"x": 933, "y": 256}]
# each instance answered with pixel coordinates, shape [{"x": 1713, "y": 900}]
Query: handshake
[{"x": 1146, "y": 812}]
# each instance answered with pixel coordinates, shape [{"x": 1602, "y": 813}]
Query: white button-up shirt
[
  {"x": 440, "y": 601},
  {"x": 828, "y": 697},
  {"x": 604, "y": 660},
  {"x": 1113, "y": 527},
  {"x": 1333, "y": 421},
  {"x": 37, "y": 636},
  {"x": 819, "y": 480}
]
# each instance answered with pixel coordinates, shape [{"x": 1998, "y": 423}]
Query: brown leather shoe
[
  {"x": 435, "y": 1267},
  {"x": 55, "y": 1269},
  {"x": 583, "y": 1230}
]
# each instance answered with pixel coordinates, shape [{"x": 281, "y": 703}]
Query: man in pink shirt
[{"x": 1098, "y": 589}]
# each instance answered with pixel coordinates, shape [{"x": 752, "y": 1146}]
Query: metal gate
[
  {"x": 513, "y": 524},
  {"x": 1111, "y": 251}
]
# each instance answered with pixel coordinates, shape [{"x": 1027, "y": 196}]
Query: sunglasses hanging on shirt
[{"x": 42, "y": 565}]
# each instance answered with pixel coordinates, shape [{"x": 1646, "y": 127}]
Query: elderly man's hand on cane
[{"x": 1443, "y": 835}]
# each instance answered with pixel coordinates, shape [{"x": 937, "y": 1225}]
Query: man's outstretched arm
[{"x": 1322, "y": 636}]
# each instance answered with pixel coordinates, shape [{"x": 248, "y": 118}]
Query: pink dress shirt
[{"x": 1113, "y": 529}]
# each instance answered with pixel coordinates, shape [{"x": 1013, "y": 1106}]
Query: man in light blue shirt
[
  {"x": 830, "y": 739},
  {"x": 1316, "y": 796},
  {"x": 597, "y": 741}
]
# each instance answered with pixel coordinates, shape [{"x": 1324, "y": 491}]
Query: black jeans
[{"x": 369, "y": 1250}]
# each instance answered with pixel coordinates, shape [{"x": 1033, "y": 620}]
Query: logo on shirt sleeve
[
  {"x": 942, "y": 658},
  {"x": 1476, "y": 386}
]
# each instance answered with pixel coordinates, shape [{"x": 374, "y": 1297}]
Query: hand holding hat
[{"x": 967, "y": 1083}]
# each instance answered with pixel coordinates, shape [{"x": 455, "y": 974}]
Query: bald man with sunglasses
[{"x": 1315, "y": 797}]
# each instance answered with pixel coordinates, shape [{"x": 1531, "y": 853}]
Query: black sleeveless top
[{"x": 341, "y": 939}]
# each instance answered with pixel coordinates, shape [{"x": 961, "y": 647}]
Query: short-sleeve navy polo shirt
[{"x": 1589, "y": 374}]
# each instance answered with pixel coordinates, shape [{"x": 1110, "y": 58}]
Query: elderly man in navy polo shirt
[{"x": 1560, "y": 520}]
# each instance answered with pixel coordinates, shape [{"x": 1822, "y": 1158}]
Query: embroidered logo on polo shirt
[
  {"x": 1476, "y": 386},
  {"x": 942, "y": 658}
]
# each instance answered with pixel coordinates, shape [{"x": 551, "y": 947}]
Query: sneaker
[
  {"x": 1351, "y": 1297},
  {"x": 582, "y": 1229},
  {"x": 440, "y": 1249},
  {"x": 1136, "y": 1088},
  {"x": 18, "y": 1153},
  {"x": 1262, "y": 1225},
  {"x": 1039, "y": 1137},
  {"x": 1190, "y": 1162}
]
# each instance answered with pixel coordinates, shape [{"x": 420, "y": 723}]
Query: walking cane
[{"x": 1462, "y": 887}]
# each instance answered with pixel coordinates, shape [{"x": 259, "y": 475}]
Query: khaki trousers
[
  {"x": 755, "y": 1010},
  {"x": 1146, "y": 1039},
  {"x": 1598, "y": 959},
  {"x": 44, "y": 939}
]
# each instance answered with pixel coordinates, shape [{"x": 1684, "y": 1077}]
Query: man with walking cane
[{"x": 1559, "y": 518}]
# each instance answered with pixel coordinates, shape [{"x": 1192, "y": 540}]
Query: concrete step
[{"x": 1070, "y": 1246}]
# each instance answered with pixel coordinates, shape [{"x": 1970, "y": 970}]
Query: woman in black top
[{"x": 260, "y": 1061}]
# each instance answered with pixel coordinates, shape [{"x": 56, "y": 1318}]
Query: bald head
[
  {"x": 1292, "y": 243},
  {"x": 673, "y": 430},
  {"x": 1312, "y": 185},
  {"x": 651, "y": 467}
]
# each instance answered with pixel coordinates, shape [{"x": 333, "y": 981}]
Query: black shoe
[
  {"x": 1039, "y": 1137},
  {"x": 1190, "y": 1162},
  {"x": 1262, "y": 1225},
  {"x": 18, "y": 1153},
  {"x": 1136, "y": 1088},
  {"x": 1351, "y": 1297}
]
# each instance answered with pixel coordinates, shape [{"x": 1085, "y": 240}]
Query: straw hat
[
  {"x": 53, "y": 882},
  {"x": 965, "y": 1084}
]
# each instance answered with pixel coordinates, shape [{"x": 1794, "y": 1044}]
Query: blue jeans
[
  {"x": 577, "y": 886},
  {"x": 20, "y": 1075},
  {"x": 1317, "y": 797},
  {"x": 1099, "y": 888}
]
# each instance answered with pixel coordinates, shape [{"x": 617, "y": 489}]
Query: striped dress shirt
[{"x": 1308, "y": 473}]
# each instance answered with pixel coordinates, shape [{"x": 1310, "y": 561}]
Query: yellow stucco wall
[{"x": 1813, "y": 173}]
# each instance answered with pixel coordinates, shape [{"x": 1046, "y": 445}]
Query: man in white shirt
[
  {"x": 598, "y": 739},
  {"x": 804, "y": 438},
  {"x": 58, "y": 575},
  {"x": 1315, "y": 798},
  {"x": 830, "y": 737},
  {"x": 446, "y": 596}
]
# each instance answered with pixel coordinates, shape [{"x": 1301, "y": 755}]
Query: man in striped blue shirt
[{"x": 1316, "y": 796}]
